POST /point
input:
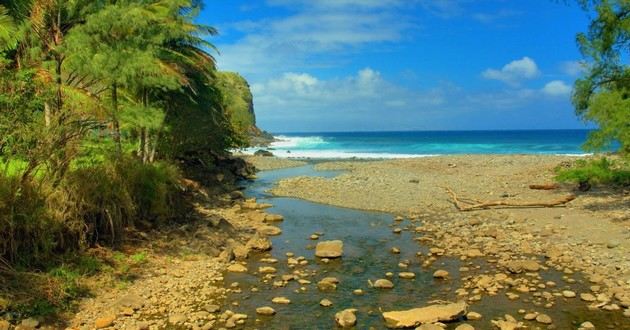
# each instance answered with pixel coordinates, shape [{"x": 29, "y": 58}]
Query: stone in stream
[
  {"x": 568, "y": 294},
  {"x": 266, "y": 270},
  {"x": 543, "y": 318},
  {"x": 429, "y": 314},
  {"x": 429, "y": 326},
  {"x": 314, "y": 237},
  {"x": 329, "y": 249},
  {"x": 465, "y": 326},
  {"x": 587, "y": 297},
  {"x": 270, "y": 230},
  {"x": 328, "y": 284},
  {"x": 346, "y": 318},
  {"x": 265, "y": 310},
  {"x": 325, "y": 303},
  {"x": 440, "y": 273},
  {"x": 237, "y": 268},
  {"x": 395, "y": 250},
  {"x": 519, "y": 266},
  {"x": 473, "y": 316},
  {"x": 273, "y": 218},
  {"x": 407, "y": 275},
  {"x": 281, "y": 300},
  {"x": 530, "y": 316},
  {"x": 383, "y": 284}
]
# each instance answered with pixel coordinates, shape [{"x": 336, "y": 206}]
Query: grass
[
  {"x": 24, "y": 293},
  {"x": 601, "y": 171}
]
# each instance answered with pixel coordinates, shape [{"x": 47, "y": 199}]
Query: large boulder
[
  {"x": 329, "y": 249},
  {"x": 263, "y": 153},
  {"x": 430, "y": 314}
]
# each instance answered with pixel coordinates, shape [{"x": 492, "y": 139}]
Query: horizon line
[{"x": 436, "y": 131}]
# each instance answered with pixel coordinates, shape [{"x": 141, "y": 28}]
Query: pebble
[
  {"x": 177, "y": 318},
  {"x": 346, "y": 318},
  {"x": 473, "y": 316},
  {"x": 442, "y": 274},
  {"x": 325, "y": 303},
  {"x": 281, "y": 300},
  {"x": 613, "y": 244},
  {"x": 587, "y": 325},
  {"x": 383, "y": 284},
  {"x": 465, "y": 326},
  {"x": 543, "y": 318},
  {"x": 406, "y": 275},
  {"x": 104, "y": 322},
  {"x": 587, "y": 297},
  {"x": 568, "y": 294},
  {"x": 237, "y": 268},
  {"x": 265, "y": 310}
]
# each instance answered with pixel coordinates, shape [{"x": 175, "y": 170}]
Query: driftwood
[
  {"x": 548, "y": 186},
  {"x": 464, "y": 205}
]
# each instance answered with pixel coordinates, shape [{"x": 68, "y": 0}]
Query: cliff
[{"x": 239, "y": 104}]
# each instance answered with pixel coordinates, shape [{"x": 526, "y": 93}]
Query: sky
[{"x": 391, "y": 65}]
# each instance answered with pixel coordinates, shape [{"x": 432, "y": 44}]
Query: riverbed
[{"x": 368, "y": 242}]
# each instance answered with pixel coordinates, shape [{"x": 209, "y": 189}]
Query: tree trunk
[
  {"x": 153, "y": 149},
  {"x": 116, "y": 124},
  {"x": 147, "y": 147},
  {"x": 47, "y": 114},
  {"x": 59, "y": 62},
  {"x": 143, "y": 145}
]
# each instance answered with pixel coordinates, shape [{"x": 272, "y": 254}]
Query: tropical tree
[{"x": 602, "y": 96}]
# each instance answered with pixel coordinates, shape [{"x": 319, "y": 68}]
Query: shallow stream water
[{"x": 368, "y": 239}]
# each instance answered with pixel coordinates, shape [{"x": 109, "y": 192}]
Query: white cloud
[
  {"x": 514, "y": 72},
  {"x": 573, "y": 68},
  {"x": 557, "y": 88},
  {"x": 318, "y": 34},
  {"x": 364, "y": 92}
]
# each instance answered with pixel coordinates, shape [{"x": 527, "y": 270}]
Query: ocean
[{"x": 410, "y": 144}]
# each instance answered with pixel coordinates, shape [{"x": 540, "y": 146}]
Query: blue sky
[{"x": 361, "y": 65}]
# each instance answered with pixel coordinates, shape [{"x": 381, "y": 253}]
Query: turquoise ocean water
[{"x": 427, "y": 143}]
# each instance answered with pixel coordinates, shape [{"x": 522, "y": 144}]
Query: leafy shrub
[
  {"x": 92, "y": 204},
  {"x": 598, "y": 171}
]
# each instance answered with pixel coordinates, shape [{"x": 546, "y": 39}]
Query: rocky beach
[{"x": 242, "y": 266}]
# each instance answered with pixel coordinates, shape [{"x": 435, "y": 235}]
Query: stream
[{"x": 368, "y": 239}]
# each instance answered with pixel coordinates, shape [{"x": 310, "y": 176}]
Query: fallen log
[
  {"x": 548, "y": 186},
  {"x": 480, "y": 205}
]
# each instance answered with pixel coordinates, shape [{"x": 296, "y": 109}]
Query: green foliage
[
  {"x": 237, "y": 100},
  {"x": 8, "y": 30},
  {"x": 601, "y": 96},
  {"x": 92, "y": 204},
  {"x": 100, "y": 103},
  {"x": 599, "y": 171}
]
